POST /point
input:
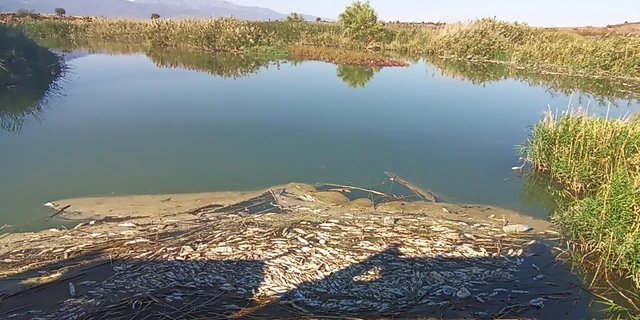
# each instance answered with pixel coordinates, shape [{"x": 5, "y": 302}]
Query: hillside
[{"x": 144, "y": 8}]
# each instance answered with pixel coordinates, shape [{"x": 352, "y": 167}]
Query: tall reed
[{"x": 597, "y": 162}]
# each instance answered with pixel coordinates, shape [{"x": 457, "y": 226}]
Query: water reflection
[
  {"x": 29, "y": 75},
  {"x": 603, "y": 91},
  {"x": 356, "y": 76},
  {"x": 224, "y": 65},
  {"x": 540, "y": 190}
]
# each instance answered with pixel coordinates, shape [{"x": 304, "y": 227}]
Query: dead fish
[
  {"x": 128, "y": 224},
  {"x": 537, "y": 302},
  {"x": 538, "y": 277},
  {"x": 517, "y": 228}
]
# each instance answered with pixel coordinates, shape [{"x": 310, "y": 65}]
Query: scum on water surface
[{"x": 304, "y": 252}]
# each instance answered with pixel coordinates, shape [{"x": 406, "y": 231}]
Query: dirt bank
[
  {"x": 145, "y": 206},
  {"x": 288, "y": 252}
]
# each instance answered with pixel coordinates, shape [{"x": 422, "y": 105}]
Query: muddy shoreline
[{"x": 285, "y": 252}]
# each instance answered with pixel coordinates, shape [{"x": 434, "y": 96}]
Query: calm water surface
[{"x": 122, "y": 125}]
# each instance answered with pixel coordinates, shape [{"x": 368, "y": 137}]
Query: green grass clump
[{"x": 597, "y": 162}]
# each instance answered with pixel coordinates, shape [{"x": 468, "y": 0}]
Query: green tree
[
  {"x": 60, "y": 11},
  {"x": 295, "y": 17},
  {"x": 356, "y": 76},
  {"x": 360, "y": 21},
  {"x": 155, "y": 16}
]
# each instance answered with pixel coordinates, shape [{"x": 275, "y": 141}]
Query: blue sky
[{"x": 535, "y": 12}]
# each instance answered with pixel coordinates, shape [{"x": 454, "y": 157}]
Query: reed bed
[
  {"x": 478, "y": 40},
  {"x": 597, "y": 162}
]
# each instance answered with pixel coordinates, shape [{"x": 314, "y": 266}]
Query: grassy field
[
  {"x": 481, "y": 40},
  {"x": 597, "y": 163}
]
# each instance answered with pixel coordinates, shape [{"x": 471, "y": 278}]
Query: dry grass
[{"x": 624, "y": 29}]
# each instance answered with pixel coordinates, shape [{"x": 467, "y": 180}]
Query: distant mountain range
[{"x": 144, "y": 8}]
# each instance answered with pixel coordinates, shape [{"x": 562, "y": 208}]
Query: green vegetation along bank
[
  {"x": 359, "y": 28},
  {"x": 28, "y": 72},
  {"x": 596, "y": 160}
]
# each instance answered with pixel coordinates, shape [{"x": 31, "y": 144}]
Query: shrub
[
  {"x": 26, "y": 13},
  {"x": 295, "y": 17},
  {"x": 360, "y": 21},
  {"x": 60, "y": 11}
]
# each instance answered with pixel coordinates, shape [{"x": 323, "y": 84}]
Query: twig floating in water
[
  {"x": 361, "y": 189},
  {"x": 422, "y": 194},
  {"x": 58, "y": 212},
  {"x": 275, "y": 198}
]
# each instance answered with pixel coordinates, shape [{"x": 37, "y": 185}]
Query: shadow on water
[
  {"x": 29, "y": 75},
  {"x": 602, "y": 91},
  {"x": 618, "y": 291},
  {"x": 171, "y": 282}
]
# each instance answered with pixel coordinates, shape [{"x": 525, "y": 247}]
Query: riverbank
[
  {"x": 481, "y": 40},
  {"x": 596, "y": 160},
  {"x": 287, "y": 252}
]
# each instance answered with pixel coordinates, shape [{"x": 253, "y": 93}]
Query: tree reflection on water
[{"x": 29, "y": 76}]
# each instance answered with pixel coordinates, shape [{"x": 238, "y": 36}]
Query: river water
[{"x": 151, "y": 123}]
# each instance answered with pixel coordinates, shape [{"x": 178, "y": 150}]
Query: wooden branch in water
[
  {"x": 396, "y": 198},
  {"x": 275, "y": 198},
  {"x": 422, "y": 194},
  {"x": 58, "y": 212},
  {"x": 361, "y": 189}
]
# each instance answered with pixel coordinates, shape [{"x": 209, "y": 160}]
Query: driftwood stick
[
  {"x": 275, "y": 198},
  {"x": 361, "y": 189},
  {"x": 58, "y": 212},
  {"x": 422, "y": 194}
]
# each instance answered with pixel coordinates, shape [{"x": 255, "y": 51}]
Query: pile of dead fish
[{"x": 340, "y": 264}]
